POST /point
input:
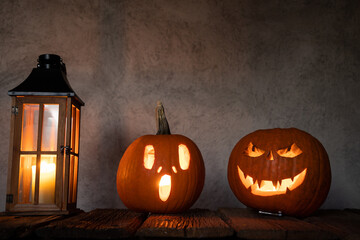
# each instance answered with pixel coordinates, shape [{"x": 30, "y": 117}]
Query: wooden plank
[
  {"x": 206, "y": 224},
  {"x": 12, "y": 227},
  {"x": 297, "y": 229},
  {"x": 197, "y": 223},
  {"x": 97, "y": 224},
  {"x": 194, "y": 223},
  {"x": 344, "y": 224},
  {"x": 249, "y": 224},
  {"x": 357, "y": 211}
]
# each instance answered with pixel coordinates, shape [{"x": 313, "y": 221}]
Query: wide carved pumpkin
[
  {"x": 161, "y": 173},
  {"x": 284, "y": 171}
]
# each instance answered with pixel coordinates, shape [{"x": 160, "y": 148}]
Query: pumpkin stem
[{"x": 162, "y": 124}]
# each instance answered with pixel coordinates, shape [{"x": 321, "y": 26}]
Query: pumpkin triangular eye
[
  {"x": 253, "y": 151},
  {"x": 149, "y": 156},
  {"x": 184, "y": 156},
  {"x": 290, "y": 152}
]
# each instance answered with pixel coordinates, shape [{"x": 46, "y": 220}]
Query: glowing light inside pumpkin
[
  {"x": 253, "y": 151},
  {"x": 174, "y": 169},
  {"x": 267, "y": 187},
  {"x": 164, "y": 187},
  {"x": 149, "y": 156},
  {"x": 290, "y": 152},
  {"x": 270, "y": 156},
  {"x": 184, "y": 157}
]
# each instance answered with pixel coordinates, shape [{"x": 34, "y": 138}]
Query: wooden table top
[{"x": 225, "y": 223}]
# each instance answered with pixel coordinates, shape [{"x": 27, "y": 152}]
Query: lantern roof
[{"x": 48, "y": 79}]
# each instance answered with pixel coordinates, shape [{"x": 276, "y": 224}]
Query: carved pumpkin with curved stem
[
  {"x": 280, "y": 170},
  {"x": 161, "y": 173}
]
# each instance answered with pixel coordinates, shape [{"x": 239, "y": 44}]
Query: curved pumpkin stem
[{"x": 162, "y": 124}]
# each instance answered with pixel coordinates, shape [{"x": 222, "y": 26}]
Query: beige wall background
[{"x": 222, "y": 69}]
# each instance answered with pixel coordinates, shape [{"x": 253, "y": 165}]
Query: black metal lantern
[{"x": 44, "y": 142}]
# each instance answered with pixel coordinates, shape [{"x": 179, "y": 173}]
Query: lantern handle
[{"x": 162, "y": 124}]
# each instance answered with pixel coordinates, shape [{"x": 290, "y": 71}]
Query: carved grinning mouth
[{"x": 268, "y": 187}]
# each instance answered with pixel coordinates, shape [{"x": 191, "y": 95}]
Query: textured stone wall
[{"x": 222, "y": 69}]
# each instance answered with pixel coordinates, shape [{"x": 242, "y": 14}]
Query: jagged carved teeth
[{"x": 270, "y": 188}]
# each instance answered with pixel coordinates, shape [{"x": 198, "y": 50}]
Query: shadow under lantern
[{"x": 44, "y": 142}]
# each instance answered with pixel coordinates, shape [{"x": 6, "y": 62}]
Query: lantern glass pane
[
  {"x": 50, "y": 127},
  {"x": 71, "y": 178},
  {"x": 77, "y": 122},
  {"x": 75, "y": 127},
  {"x": 47, "y": 179},
  {"x": 30, "y": 123},
  {"x": 73, "y": 175},
  {"x": 76, "y": 165},
  {"x": 27, "y": 172}
]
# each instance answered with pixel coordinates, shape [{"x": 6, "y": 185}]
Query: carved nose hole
[{"x": 270, "y": 156}]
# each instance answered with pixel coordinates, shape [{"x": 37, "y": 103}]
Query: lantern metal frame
[{"x": 46, "y": 85}]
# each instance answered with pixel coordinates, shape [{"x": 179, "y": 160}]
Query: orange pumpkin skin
[
  {"x": 138, "y": 187},
  {"x": 275, "y": 164}
]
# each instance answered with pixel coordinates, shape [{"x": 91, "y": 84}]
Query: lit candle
[{"x": 47, "y": 182}]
